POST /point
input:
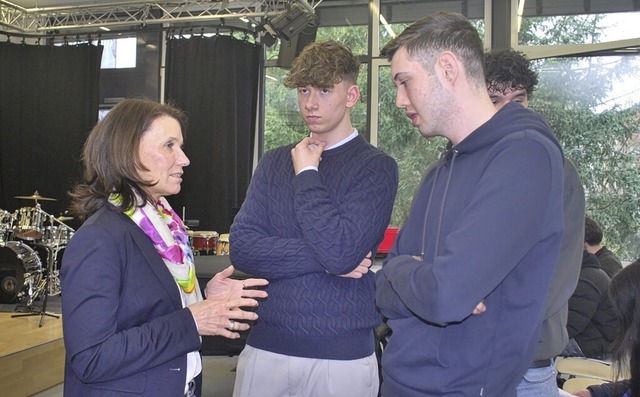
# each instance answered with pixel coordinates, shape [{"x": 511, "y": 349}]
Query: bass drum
[{"x": 20, "y": 271}]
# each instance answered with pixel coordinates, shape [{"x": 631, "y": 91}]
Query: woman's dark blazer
[{"x": 125, "y": 330}]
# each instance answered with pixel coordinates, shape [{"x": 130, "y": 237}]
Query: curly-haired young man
[
  {"x": 510, "y": 77},
  {"x": 313, "y": 216}
]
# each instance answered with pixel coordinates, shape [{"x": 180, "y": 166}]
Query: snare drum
[
  {"x": 204, "y": 242},
  {"x": 28, "y": 223},
  {"x": 223, "y": 245}
]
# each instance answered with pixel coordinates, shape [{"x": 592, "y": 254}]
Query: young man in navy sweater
[{"x": 313, "y": 216}]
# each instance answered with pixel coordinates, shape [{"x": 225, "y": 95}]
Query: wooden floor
[{"x": 31, "y": 357}]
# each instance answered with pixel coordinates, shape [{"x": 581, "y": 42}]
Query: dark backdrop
[
  {"x": 215, "y": 80},
  {"x": 48, "y": 104}
]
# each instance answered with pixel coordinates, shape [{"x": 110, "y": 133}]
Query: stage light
[
  {"x": 297, "y": 17},
  {"x": 267, "y": 38}
]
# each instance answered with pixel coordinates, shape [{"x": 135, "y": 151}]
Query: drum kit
[
  {"x": 31, "y": 246},
  {"x": 209, "y": 243}
]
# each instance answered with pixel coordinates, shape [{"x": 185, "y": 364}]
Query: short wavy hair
[
  {"x": 509, "y": 70},
  {"x": 323, "y": 64},
  {"x": 592, "y": 232},
  {"x": 111, "y": 156}
]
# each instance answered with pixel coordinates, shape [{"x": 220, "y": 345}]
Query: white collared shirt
[{"x": 342, "y": 142}]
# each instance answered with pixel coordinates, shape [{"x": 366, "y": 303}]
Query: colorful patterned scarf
[{"x": 169, "y": 236}]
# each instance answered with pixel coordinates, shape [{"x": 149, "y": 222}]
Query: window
[{"x": 119, "y": 53}]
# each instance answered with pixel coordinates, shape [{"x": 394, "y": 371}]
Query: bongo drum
[
  {"x": 223, "y": 245},
  {"x": 204, "y": 242}
]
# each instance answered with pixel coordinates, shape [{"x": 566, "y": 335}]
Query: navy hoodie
[{"x": 487, "y": 221}]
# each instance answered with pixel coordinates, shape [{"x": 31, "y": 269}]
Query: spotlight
[
  {"x": 268, "y": 39},
  {"x": 298, "y": 16}
]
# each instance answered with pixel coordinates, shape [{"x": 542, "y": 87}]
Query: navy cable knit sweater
[{"x": 301, "y": 232}]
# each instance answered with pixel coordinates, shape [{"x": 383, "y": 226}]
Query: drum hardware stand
[{"x": 45, "y": 289}]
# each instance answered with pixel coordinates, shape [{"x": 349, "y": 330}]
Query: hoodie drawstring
[{"x": 444, "y": 200}]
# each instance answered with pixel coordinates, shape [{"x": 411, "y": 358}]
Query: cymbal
[
  {"x": 64, "y": 218},
  {"x": 35, "y": 196}
]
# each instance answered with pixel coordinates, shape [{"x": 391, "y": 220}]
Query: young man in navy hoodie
[{"x": 465, "y": 283}]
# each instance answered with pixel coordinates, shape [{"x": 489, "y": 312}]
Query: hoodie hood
[{"x": 510, "y": 119}]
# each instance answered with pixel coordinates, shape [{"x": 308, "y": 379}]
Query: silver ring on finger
[{"x": 232, "y": 325}]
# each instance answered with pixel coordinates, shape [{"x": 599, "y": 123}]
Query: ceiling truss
[{"x": 114, "y": 16}]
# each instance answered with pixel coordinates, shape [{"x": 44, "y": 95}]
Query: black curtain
[
  {"x": 215, "y": 81},
  {"x": 48, "y": 104}
]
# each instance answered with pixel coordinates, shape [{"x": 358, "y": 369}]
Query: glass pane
[
  {"x": 119, "y": 53},
  {"x": 578, "y": 29},
  {"x": 283, "y": 124},
  {"x": 355, "y": 37},
  {"x": 621, "y": 26},
  {"x": 592, "y": 105}
]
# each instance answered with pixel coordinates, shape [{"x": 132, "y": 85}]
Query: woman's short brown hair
[{"x": 111, "y": 155}]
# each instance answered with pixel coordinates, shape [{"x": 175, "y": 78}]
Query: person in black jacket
[
  {"x": 624, "y": 293},
  {"x": 592, "y": 320},
  {"x": 593, "y": 243}
]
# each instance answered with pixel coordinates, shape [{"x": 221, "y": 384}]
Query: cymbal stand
[{"x": 44, "y": 289}]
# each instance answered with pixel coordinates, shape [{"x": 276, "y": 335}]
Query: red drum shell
[{"x": 204, "y": 242}]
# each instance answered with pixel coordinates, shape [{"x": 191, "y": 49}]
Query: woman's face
[{"x": 161, "y": 153}]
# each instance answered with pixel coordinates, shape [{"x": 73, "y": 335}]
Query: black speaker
[{"x": 292, "y": 48}]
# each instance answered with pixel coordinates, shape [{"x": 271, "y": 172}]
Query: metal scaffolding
[{"x": 133, "y": 13}]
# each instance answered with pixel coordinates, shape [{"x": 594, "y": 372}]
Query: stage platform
[{"x": 31, "y": 357}]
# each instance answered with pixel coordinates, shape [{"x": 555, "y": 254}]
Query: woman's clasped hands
[{"x": 221, "y": 312}]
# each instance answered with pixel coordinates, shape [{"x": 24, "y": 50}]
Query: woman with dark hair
[
  {"x": 624, "y": 292},
  {"x": 132, "y": 307}
]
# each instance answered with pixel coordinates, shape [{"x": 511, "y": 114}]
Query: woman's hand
[
  {"x": 222, "y": 287},
  {"x": 224, "y": 318},
  {"x": 220, "y": 313}
]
